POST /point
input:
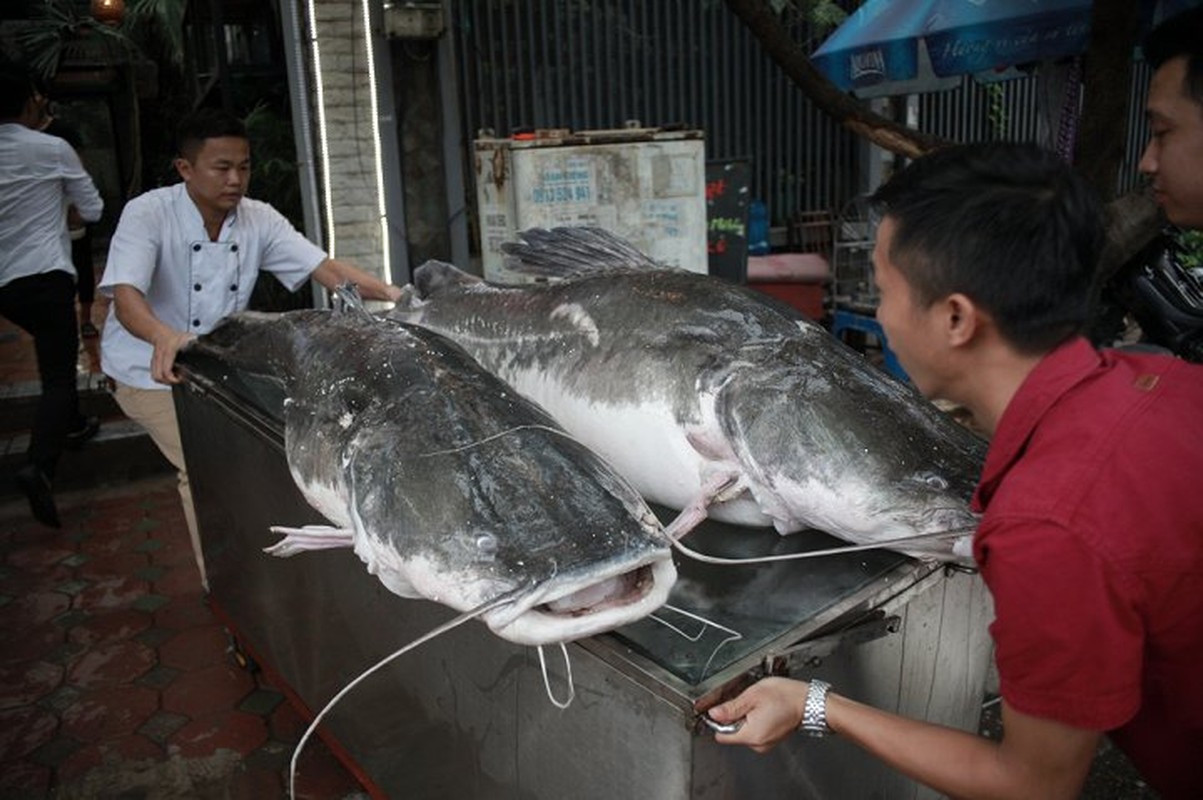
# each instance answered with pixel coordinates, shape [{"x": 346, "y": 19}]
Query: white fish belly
[{"x": 644, "y": 443}]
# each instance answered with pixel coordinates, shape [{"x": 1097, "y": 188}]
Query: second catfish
[{"x": 710, "y": 397}]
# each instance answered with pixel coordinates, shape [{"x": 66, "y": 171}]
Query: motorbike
[{"x": 1161, "y": 291}]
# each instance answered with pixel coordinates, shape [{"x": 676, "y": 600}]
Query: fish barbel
[
  {"x": 708, "y": 395},
  {"x": 446, "y": 483}
]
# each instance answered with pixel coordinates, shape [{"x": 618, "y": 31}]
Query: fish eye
[
  {"x": 934, "y": 481},
  {"x": 486, "y": 543}
]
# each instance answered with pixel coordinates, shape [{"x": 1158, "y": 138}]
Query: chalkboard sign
[{"x": 727, "y": 218}]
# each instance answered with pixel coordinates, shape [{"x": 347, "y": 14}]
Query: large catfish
[
  {"x": 707, "y": 395},
  {"x": 447, "y": 484}
]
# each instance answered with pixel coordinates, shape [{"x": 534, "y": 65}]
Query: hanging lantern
[{"x": 108, "y": 12}]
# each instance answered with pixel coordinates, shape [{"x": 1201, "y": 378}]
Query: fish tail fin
[
  {"x": 573, "y": 252},
  {"x": 433, "y": 275},
  {"x": 347, "y": 300}
]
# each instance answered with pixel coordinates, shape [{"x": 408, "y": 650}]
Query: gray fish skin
[
  {"x": 682, "y": 381},
  {"x": 454, "y": 487}
]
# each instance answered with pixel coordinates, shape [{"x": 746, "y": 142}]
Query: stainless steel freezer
[{"x": 467, "y": 715}]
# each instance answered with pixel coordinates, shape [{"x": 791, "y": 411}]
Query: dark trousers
[
  {"x": 85, "y": 271},
  {"x": 44, "y": 305}
]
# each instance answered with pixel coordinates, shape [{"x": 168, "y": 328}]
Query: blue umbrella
[{"x": 907, "y": 46}]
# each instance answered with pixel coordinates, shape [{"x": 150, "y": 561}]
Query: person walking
[{"x": 40, "y": 177}]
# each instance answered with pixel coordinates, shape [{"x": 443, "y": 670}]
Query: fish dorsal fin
[
  {"x": 573, "y": 252},
  {"x": 434, "y": 275},
  {"x": 347, "y": 301}
]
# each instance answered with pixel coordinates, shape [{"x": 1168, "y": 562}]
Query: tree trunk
[
  {"x": 766, "y": 26},
  {"x": 1106, "y": 75}
]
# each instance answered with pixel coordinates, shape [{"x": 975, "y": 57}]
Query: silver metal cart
[{"x": 467, "y": 716}]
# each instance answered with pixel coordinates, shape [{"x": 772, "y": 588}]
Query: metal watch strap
[{"x": 814, "y": 713}]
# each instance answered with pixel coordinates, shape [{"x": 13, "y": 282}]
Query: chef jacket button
[
  {"x": 196, "y": 248},
  {"x": 196, "y": 323},
  {"x": 233, "y": 248},
  {"x": 196, "y": 286},
  {"x": 233, "y": 287}
]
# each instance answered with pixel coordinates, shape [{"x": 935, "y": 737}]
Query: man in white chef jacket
[{"x": 185, "y": 256}]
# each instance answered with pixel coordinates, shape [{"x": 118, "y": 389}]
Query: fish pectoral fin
[
  {"x": 724, "y": 488},
  {"x": 718, "y": 488},
  {"x": 688, "y": 519},
  {"x": 310, "y": 537}
]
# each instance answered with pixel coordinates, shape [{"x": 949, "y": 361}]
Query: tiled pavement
[{"x": 116, "y": 680}]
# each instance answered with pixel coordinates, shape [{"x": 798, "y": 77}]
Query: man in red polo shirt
[{"x": 1091, "y": 540}]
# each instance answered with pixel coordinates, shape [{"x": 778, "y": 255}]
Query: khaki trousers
[{"x": 154, "y": 410}]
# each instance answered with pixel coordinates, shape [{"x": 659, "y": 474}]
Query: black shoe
[
  {"x": 36, "y": 486},
  {"x": 76, "y": 438}
]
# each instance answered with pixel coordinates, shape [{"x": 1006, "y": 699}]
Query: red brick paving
[
  {"x": 24, "y": 683},
  {"x": 33, "y": 609},
  {"x": 182, "y": 616},
  {"x": 201, "y": 646},
  {"x": 34, "y": 643},
  {"x": 177, "y": 580},
  {"x": 196, "y": 694},
  {"x": 126, "y": 748},
  {"x": 107, "y": 628},
  {"x": 111, "y": 656},
  {"x": 84, "y": 678},
  {"x": 113, "y": 592},
  {"x": 111, "y": 664},
  {"x": 229, "y": 729},
  {"x": 23, "y": 730},
  {"x": 109, "y": 713},
  {"x": 38, "y": 559}
]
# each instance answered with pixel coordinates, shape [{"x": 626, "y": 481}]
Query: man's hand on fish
[
  {"x": 332, "y": 273},
  {"x": 771, "y": 710},
  {"x": 135, "y": 314},
  {"x": 167, "y": 343}
]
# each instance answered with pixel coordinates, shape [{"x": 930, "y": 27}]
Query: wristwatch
[{"x": 814, "y": 713}]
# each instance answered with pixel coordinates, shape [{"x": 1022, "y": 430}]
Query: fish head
[
  {"x": 582, "y": 595},
  {"x": 922, "y": 504},
  {"x": 408, "y": 302},
  {"x": 435, "y": 276},
  {"x": 456, "y": 488},
  {"x": 525, "y": 515},
  {"x": 828, "y": 441}
]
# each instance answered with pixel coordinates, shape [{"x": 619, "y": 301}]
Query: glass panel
[{"x": 762, "y": 603}]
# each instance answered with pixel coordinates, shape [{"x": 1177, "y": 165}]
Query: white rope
[
  {"x": 461, "y": 619},
  {"x": 734, "y": 636},
  {"x": 562, "y": 705},
  {"x": 830, "y": 551}
]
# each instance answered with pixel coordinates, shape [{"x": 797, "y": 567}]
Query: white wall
[{"x": 356, "y": 234}]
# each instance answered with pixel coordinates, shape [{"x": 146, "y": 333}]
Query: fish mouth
[
  {"x": 944, "y": 533},
  {"x": 621, "y": 590},
  {"x": 572, "y": 610}
]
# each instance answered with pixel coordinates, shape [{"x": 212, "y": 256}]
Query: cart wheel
[{"x": 239, "y": 656}]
